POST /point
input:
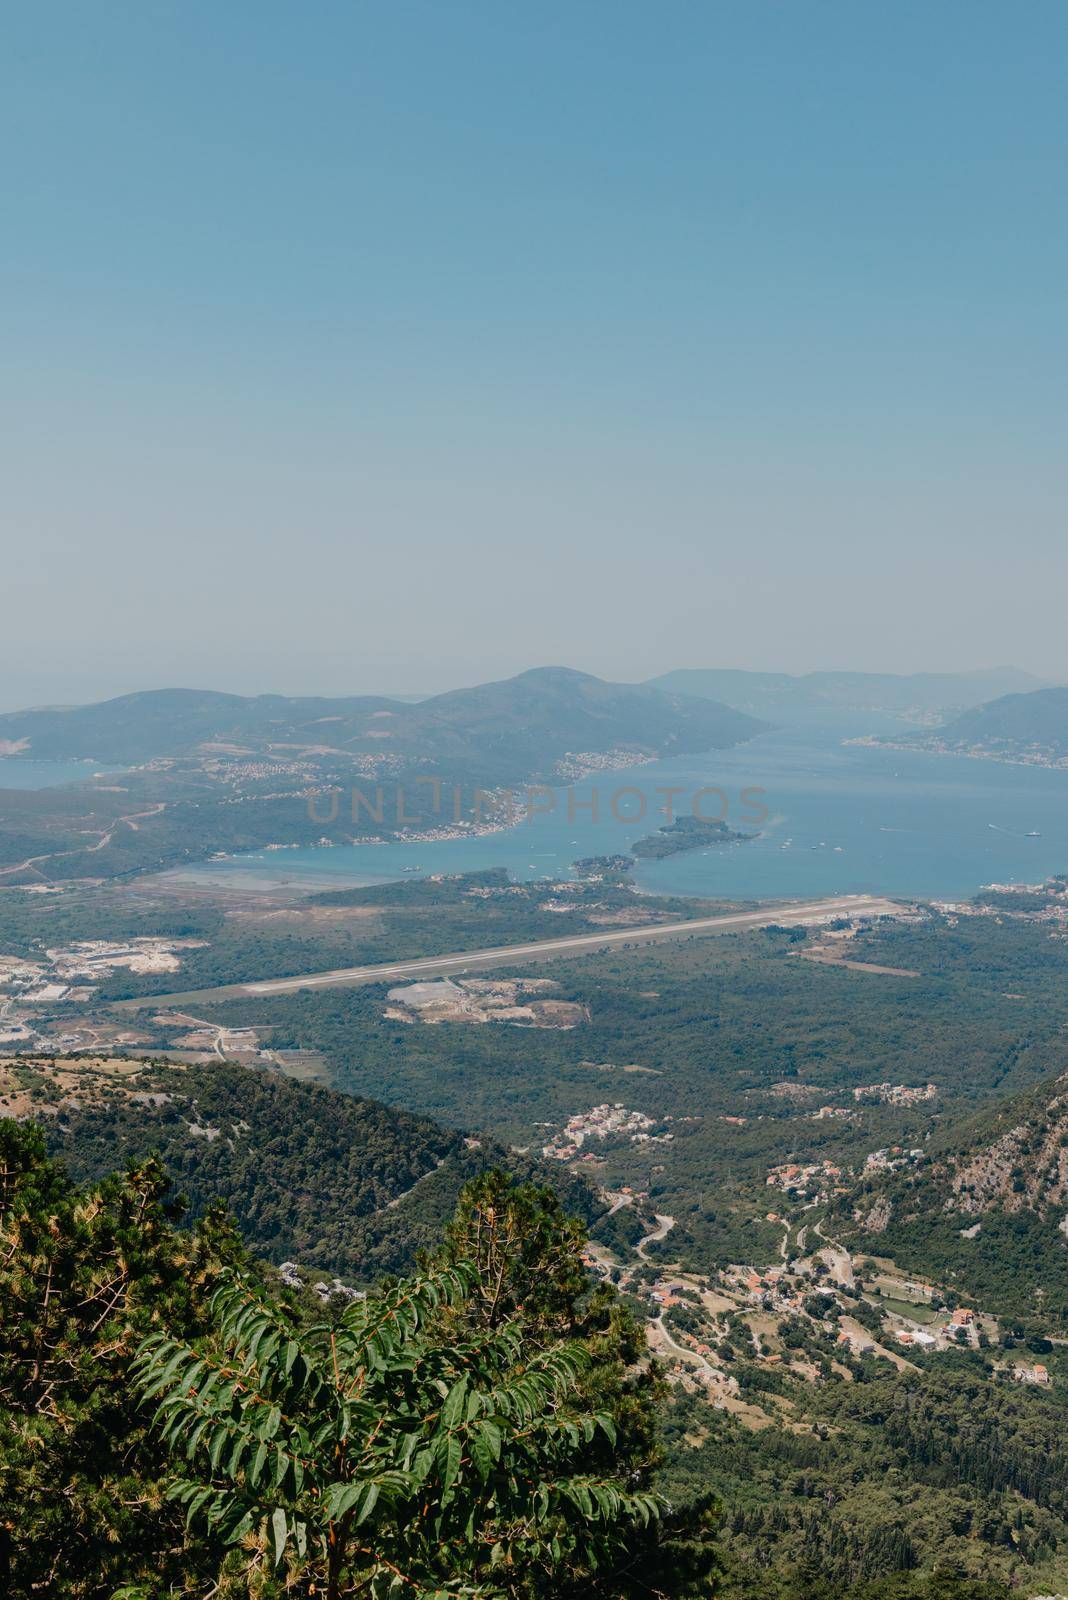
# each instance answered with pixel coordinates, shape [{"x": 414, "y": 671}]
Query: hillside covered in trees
[
  {"x": 339, "y": 1184},
  {"x": 1015, "y": 727}
]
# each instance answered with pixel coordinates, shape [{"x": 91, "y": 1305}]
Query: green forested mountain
[
  {"x": 162, "y": 722},
  {"x": 891, "y": 1484},
  {"x": 515, "y": 729},
  {"x": 343, "y": 1185},
  {"x": 1016, "y": 726},
  {"x": 215, "y": 772}
]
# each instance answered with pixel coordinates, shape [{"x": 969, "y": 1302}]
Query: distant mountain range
[
  {"x": 520, "y": 728},
  {"x": 206, "y": 772},
  {"x": 919, "y": 695},
  {"x": 1017, "y": 727}
]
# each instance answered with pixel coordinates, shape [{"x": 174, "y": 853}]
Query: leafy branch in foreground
[
  {"x": 85, "y": 1275},
  {"x": 387, "y": 1456}
]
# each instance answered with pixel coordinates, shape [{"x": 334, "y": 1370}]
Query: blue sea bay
[{"x": 841, "y": 818}]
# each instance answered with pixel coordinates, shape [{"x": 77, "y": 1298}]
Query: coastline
[{"x": 972, "y": 753}]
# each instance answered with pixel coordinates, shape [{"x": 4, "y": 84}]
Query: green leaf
[
  {"x": 485, "y": 1447},
  {"x": 278, "y": 1533},
  {"x": 453, "y": 1409},
  {"x": 270, "y": 1424},
  {"x": 607, "y": 1426},
  {"x": 367, "y": 1504},
  {"x": 451, "y": 1464}
]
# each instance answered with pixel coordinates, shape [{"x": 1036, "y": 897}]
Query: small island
[
  {"x": 686, "y": 833},
  {"x": 608, "y": 869}
]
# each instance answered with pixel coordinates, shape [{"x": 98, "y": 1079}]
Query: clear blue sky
[{"x": 395, "y": 345}]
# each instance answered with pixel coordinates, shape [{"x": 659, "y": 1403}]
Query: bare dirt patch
[
  {"x": 303, "y": 916},
  {"x": 521, "y": 1001},
  {"x": 610, "y": 1066}
]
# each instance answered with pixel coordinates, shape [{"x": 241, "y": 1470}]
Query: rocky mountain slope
[
  {"x": 987, "y": 1210},
  {"x": 1022, "y": 1163}
]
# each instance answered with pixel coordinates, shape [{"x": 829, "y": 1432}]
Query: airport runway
[{"x": 576, "y": 944}]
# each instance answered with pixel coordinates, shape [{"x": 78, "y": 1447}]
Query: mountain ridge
[
  {"x": 340, "y": 1183},
  {"x": 1014, "y": 726},
  {"x": 918, "y": 693},
  {"x": 539, "y": 715}
]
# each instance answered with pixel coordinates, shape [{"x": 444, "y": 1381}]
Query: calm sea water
[
  {"x": 15, "y": 773},
  {"x": 842, "y": 818}
]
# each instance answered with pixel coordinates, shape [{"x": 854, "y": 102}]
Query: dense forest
[
  {"x": 335, "y": 1183},
  {"x": 886, "y": 1473}
]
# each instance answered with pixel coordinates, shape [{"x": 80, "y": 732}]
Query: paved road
[
  {"x": 664, "y": 1225},
  {"x": 509, "y": 955},
  {"x": 854, "y": 904},
  {"x": 694, "y": 1357}
]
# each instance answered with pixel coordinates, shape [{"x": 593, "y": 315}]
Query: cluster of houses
[
  {"x": 892, "y": 1159},
  {"x": 602, "y": 1122},
  {"x": 773, "y": 1290},
  {"x": 789, "y": 1290},
  {"x": 1055, "y": 909},
  {"x": 813, "y": 1181},
  {"x": 919, "y": 1337},
  {"x": 818, "y": 1180},
  {"x": 961, "y": 1324},
  {"x": 894, "y": 1094}
]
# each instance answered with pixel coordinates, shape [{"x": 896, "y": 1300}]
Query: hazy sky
[{"x": 392, "y": 345}]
